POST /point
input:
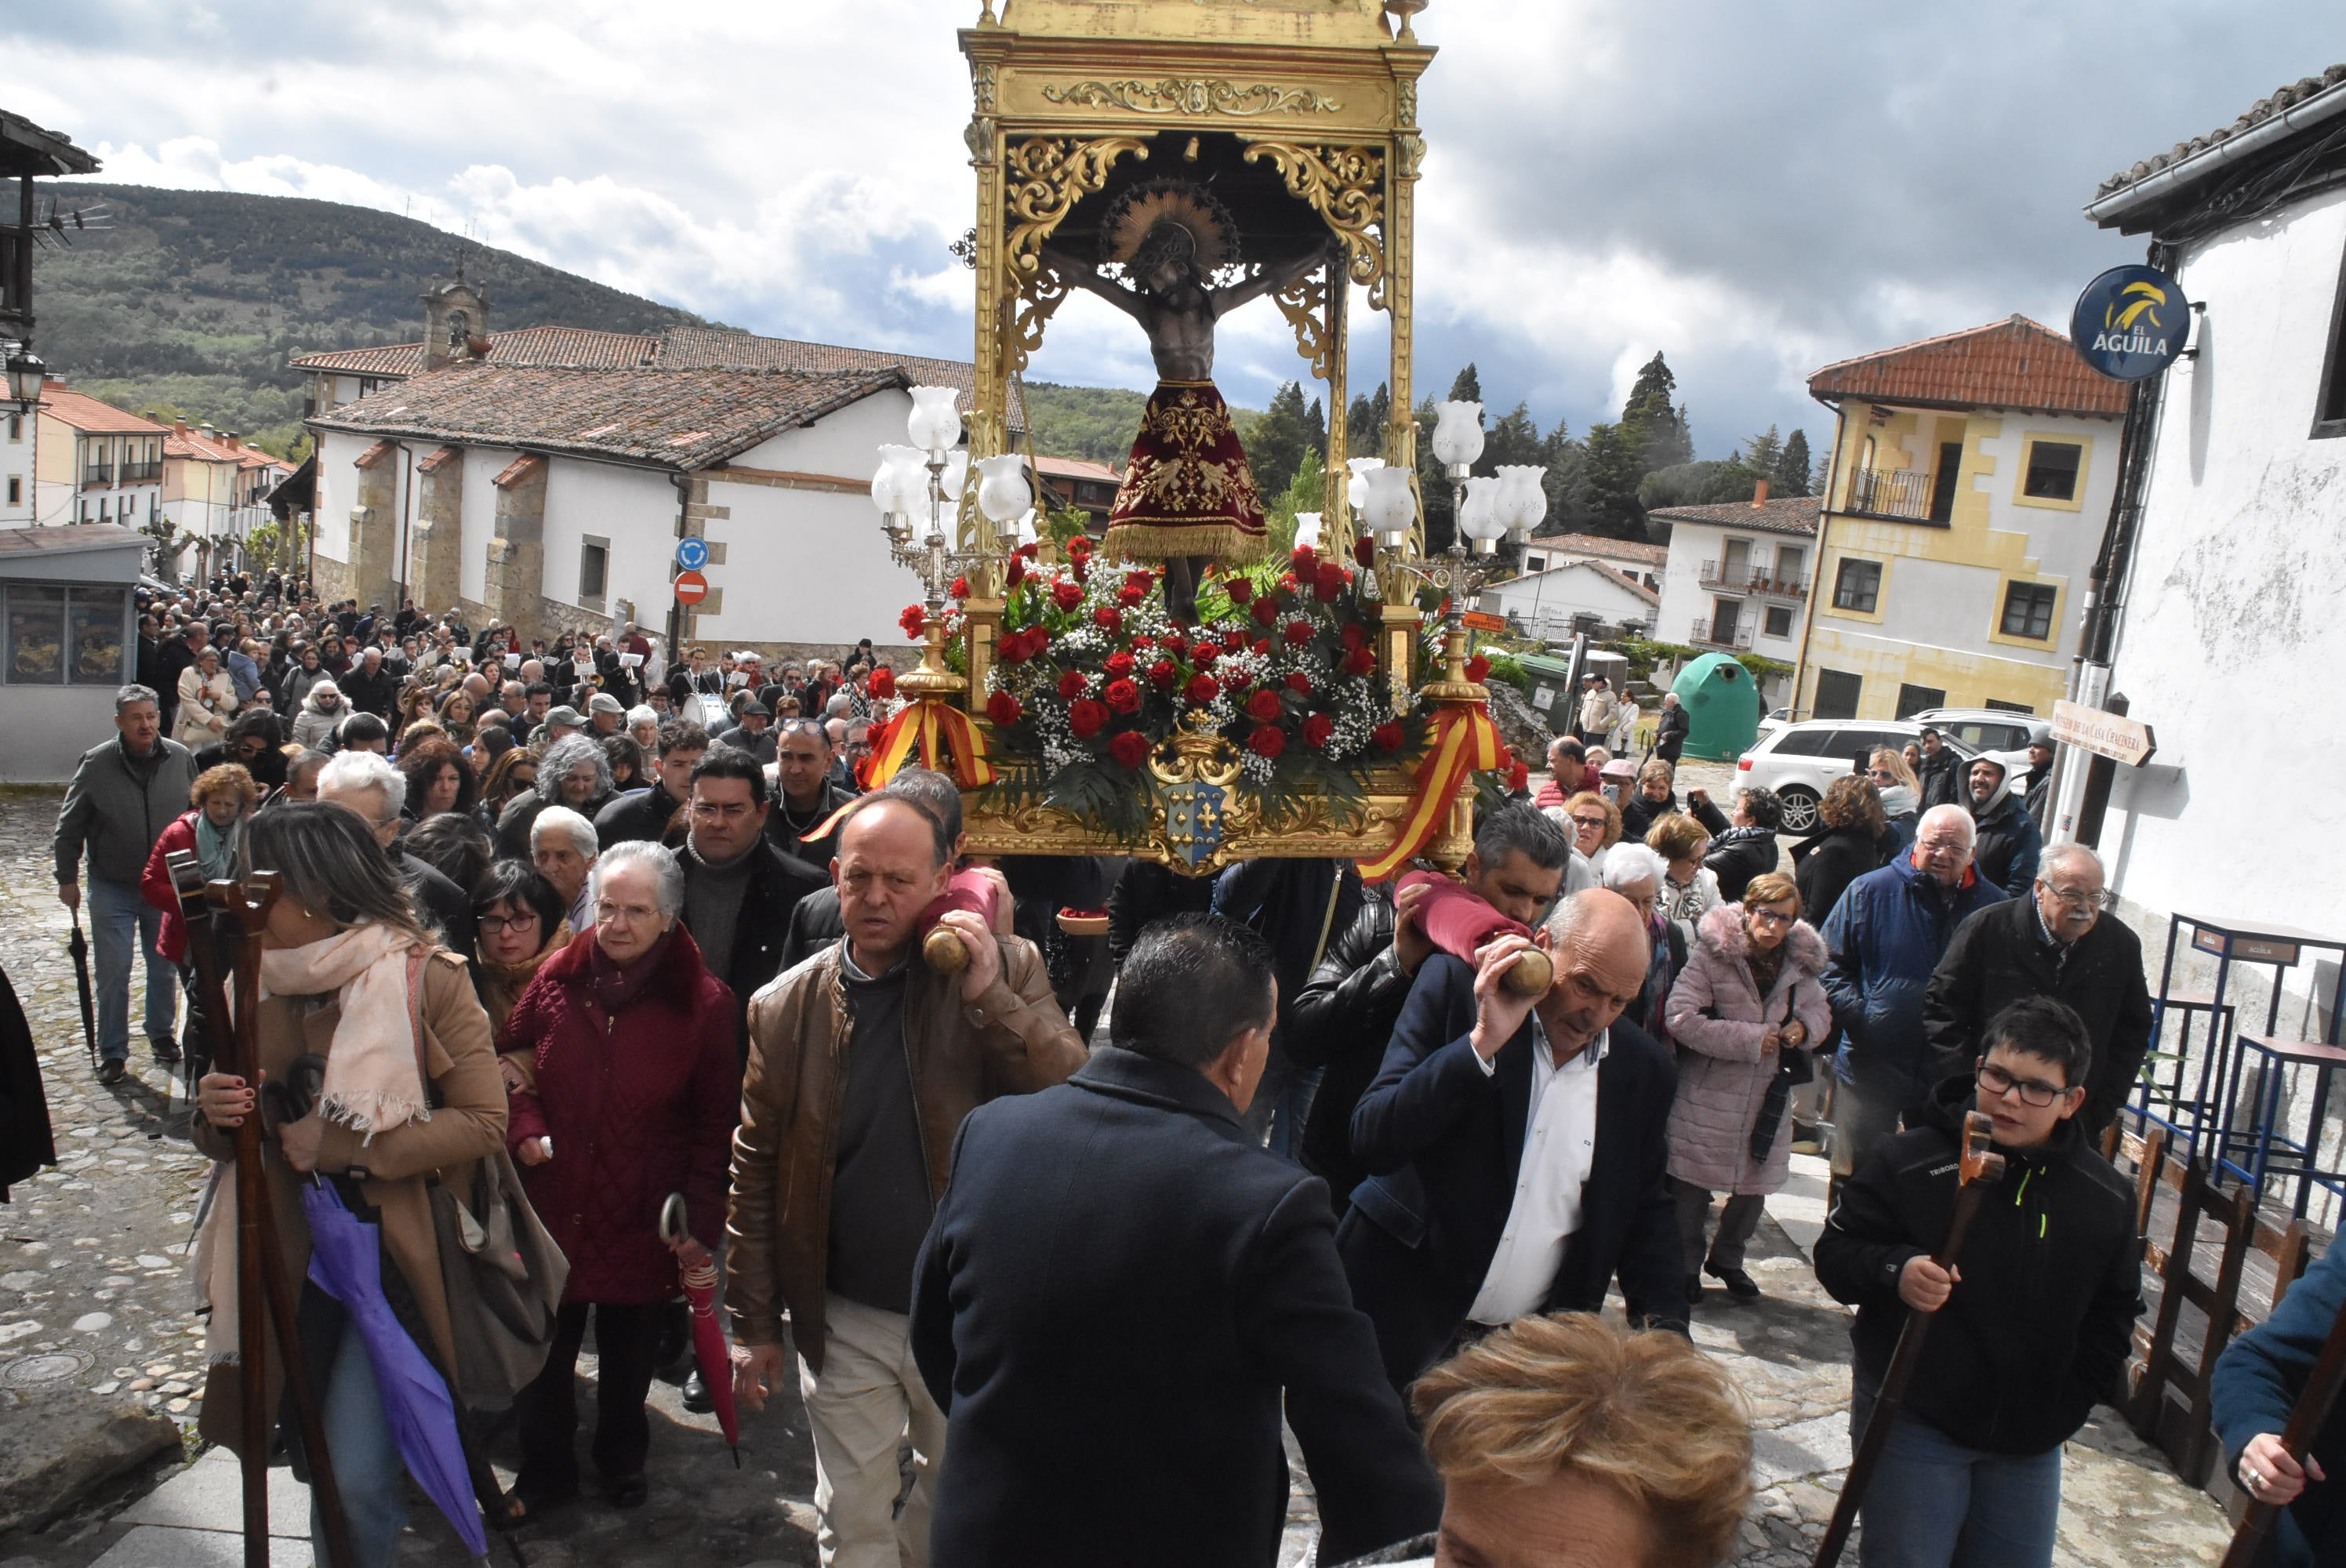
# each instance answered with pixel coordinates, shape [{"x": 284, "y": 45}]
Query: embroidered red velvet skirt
[{"x": 1186, "y": 490}]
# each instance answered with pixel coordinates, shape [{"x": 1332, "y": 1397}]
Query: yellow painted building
[{"x": 1970, "y": 476}]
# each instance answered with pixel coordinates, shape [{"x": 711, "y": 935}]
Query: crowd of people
[{"x": 1330, "y": 1165}]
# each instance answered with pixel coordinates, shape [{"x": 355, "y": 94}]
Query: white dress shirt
[{"x": 1559, "y": 1151}]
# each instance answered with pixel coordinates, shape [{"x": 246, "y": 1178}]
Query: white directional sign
[{"x": 2126, "y": 740}]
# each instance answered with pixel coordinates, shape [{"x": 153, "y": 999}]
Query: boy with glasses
[
  {"x": 2032, "y": 1324},
  {"x": 2053, "y": 943}
]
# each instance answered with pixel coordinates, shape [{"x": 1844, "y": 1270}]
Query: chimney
[
  {"x": 234, "y": 442},
  {"x": 1760, "y": 494},
  {"x": 179, "y": 427}
]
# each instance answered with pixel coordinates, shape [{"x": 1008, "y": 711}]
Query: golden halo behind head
[{"x": 1213, "y": 236}]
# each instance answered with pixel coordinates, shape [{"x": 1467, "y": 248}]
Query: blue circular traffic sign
[
  {"x": 692, "y": 553},
  {"x": 2131, "y": 322}
]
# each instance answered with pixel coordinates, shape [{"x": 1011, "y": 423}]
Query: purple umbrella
[{"x": 346, "y": 1263}]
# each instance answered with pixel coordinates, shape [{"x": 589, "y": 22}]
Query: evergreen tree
[
  {"x": 1763, "y": 455},
  {"x": 1514, "y": 438},
  {"x": 1792, "y": 468},
  {"x": 1315, "y": 431},
  {"x": 1432, "y": 483},
  {"x": 1656, "y": 430},
  {"x": 1467, "y": 388},
  {"x": 1611, "y": 472},
  {"x": 1364, "y": 423},
  {"x": 1279, "y": 441},
  {"x": 1566, "y": 482}
]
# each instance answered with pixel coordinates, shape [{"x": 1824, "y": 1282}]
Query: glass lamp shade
[
  {"x": 901, "y": 485},
  {"x": 1390, "y": 507},
  {"x": 26, "y": 374},
  {"x": 955, "y": 475},
  {"x": 1478, "y": 511},
  {"x": 935, "y": 421},
  {"x": 1307, "y": 528},
  {"x": 1002, "y": 492},
  {"x": 1356, "y": 489},
  {"x": 1523, "y": 499},
  {"x": 1458, "y": 433}
]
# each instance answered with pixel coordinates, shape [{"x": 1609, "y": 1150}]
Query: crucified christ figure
[{"x": 1188, "y": 497}]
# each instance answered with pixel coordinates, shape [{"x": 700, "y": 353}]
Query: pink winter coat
[{"x": 1717, "y": 1017}]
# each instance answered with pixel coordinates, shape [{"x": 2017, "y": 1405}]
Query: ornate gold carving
[
  {"x": 1037, "y": 299},
  {"x": 1345, "y": 186},
  {"x": 1199, "y": 756},
  {"x": 985, "y": 85},
  {"x": 1305, "y": 306},
  {"x": 1048, "y": 175},
  {"x": 1193, "y": 95}
]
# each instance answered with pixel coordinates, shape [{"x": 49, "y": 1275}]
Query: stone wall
[{"x": 517, "y": 569}]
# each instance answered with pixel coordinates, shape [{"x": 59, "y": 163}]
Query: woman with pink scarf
[{"x": 407, "y": 1087}]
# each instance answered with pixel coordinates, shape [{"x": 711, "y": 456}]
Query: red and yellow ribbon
[
  {"x": 929, "y": 723},
  {"x": 1465, "y": 741}
]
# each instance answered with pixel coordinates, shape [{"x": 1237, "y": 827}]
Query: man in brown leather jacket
[{"x": 863, "y": 1062}]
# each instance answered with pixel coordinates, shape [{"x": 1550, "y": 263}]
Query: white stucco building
[
  {"x": 1639, "y": 562},
  {"x": 1545, "y": 604},
  {"x": 2228, "y": 642},
  {"x": 1739, "y": 577},
  {"x": 19, "y": 432}
]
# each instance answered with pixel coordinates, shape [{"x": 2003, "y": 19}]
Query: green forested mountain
[
  {"x": 1098, "y": 423},
  {"x": 193, "y": 300}
]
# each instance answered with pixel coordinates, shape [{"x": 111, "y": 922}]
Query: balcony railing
[
  {"x": 1748, "y": 580},
  {"x": 1706, "y": 634},
  {"x": 135, "y": 473},
  {"x": 97, "y": 475},
  {"x": 1890, "y": 493}
]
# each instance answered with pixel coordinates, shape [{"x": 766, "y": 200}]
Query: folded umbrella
[
  {"x": 346, "y": 1263},
  {"x": 79, "y": 945},
  {"x": 707, "y": 1333}
]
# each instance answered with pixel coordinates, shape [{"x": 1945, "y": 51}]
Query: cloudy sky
[{"x": 1753, "y": 188}]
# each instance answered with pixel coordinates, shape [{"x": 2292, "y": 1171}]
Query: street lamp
[{"x": 25, "y": 374}]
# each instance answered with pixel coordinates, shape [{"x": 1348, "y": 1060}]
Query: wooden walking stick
[
  {"x": 1980, "y": 1169},
  {"x": 260, "y": 1272},
  {"x": 2305, "y": 1420}
]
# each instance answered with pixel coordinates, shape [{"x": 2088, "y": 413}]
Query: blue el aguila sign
[{"x": 2131, "y": 324}]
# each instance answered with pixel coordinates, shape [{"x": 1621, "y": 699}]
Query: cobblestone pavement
[{"x": 96, "y": 1316}]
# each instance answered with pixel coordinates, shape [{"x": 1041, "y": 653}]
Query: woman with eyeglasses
[
  {"x": 522, "y": 923},
  {"x": 1689, "y": 888},
  {"x": 1744, "y": 1009},
  {"x": 1594, "y": 824},
  {"x": 1901, "y": 789}
]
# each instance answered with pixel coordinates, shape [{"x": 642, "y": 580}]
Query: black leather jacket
[{"x": 1340, "y": 1021}]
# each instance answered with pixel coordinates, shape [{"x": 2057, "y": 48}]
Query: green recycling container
[
  {"x": 1551, "y": 694},
  {"x": 1722, "y": 704}
]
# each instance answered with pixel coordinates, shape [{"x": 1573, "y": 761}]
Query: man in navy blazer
[
  {"x": 1120, "y": 1290},
  {"x": 1516, "y": 1146}
]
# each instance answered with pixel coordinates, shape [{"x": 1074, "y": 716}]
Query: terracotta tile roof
[
  {"x": 91, "y": 417},
  {"x": 1777, "y": 515},
  {"x": 1602, "y": 544},
  {"x": 519, "y": 470},
  {"x": 439, "y": 460},
  {"x": 527, "y": 346},
  {"x": 2283, "y": 100},
  {"x": 2014, "y": 363},
  {"x": 670, "y": 419},
  {"x": 678, "y": 349},
  {"x": 1074, "y": 468},
  {"x": 204, "y": 446}
]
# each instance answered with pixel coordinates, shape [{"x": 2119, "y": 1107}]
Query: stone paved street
[{"x": 100, "y": 1361}]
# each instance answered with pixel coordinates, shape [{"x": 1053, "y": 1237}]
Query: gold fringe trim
[{"x": 1144, "y": 539}]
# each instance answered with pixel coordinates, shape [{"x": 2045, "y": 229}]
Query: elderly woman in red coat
[{"x": 625, "y": 1083}]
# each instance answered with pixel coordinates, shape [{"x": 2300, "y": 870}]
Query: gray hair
[
  {"x": 134, "y": 692},
  {"x": 351, "y": 771},
  {"x": 2068, "y": 854},
  {"x": 562, "y": 757},
  {"x": 581, "y": 830},
  {"x": 668, "y": 876},
  {"x": 1628, "y": 864},
  {"x": 1946, "y": 816},
  {"x": 642, "y": 713}
]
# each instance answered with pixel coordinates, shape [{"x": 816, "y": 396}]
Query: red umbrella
[{"x": 707, "y": 1333}]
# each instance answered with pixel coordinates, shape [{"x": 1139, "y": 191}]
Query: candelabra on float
[{"x": 925, "y": 480}]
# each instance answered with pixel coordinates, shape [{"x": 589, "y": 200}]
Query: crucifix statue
[{"x": 1188, "y": 498}]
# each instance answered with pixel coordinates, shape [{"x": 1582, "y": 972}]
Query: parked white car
[
  {"x": 1800, "y": 761},
  {"x": 1987, "y": 731}
]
